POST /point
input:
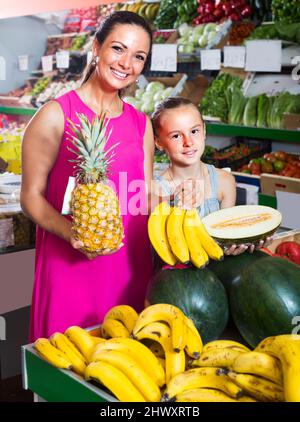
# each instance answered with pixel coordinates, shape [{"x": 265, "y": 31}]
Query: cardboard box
[
  {"x": 270, "y": 183},
  {"x": 291, "y": 121},
  {"x": 288, "y": 236}
]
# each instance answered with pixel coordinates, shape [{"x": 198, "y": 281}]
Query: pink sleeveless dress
[{"x": 69, "y": 289}]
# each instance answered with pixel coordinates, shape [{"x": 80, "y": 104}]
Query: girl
[
  {"x": 179, "y": 130},
  {"x": 69, "y": 289}
]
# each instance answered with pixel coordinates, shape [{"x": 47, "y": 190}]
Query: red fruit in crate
[
  {"x": 234, "y": 17},
  {"x": 246, "y": 11},
  {"x": 226, "y": 7},
  {"x": 279, "y": 165},
  {"x": 270, "y": 157},
  {"x": 266, "y": 167},
  {"x": 280, "y": 155},
  {"x": 218, "y": 13},
  {"x": 290, "y": 250},
  {"x": 209, "y": 7}
]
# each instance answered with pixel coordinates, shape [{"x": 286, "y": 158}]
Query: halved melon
[{"x": 242, "y": 224}]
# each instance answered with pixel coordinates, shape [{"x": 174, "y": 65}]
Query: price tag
[
  {"x": 263, "y": 56},
  {"x": 89, "y": 57},
  {"x": 234, "y": 56},
  {"x": 23, "y": 62},
  {"x": 2, "y": 69},
  {"x": 62, "y": 59},
  {"x": 47, "y": 63},
  {"x": 164, "y": 57},
  {"x": 210, "y": 59}
]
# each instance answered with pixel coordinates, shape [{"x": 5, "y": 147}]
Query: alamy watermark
[
  {"x": 2, "y": 328},
  {"x": 296, "y": 69}
]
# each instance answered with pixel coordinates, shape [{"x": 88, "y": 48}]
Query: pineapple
[{"x": 95, "y": 207}]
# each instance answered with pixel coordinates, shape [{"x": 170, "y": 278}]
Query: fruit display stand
[{"x": 57, "y": 385}]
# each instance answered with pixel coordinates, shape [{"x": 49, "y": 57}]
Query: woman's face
[
  {"x": 122, "y": 55},
  {"x": 182, "y": 135}
]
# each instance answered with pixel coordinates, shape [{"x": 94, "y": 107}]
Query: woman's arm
[
  {"x": 148, "y": 160},
  {"x": 40, "y": 147}
]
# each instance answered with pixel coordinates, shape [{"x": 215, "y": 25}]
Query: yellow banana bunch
[
  {"x": 169, "y": 314},
  {"x": 51, "y": 354},
  {"x": 157, "y": 232},
  {"x": 194, "y": 343},
  {"x": 98, "y": 340},
  {"x": 138, "y": 351},
  {"x": 201, "y": 378},
  {"x": 223, "y": 344},
  {"x": 203, "y": 395},
  {"x": 125, "y": 314},
  {"x": 287, "y": 349},
  {"x": 176, "y": 235},
  {"x": 155, "y": 347},
  {"x": 112, "y": 328},
  {"x": 62, "y": 343},
  {"x": 115, "y": 380},
  {"x": 261, "y": 364},
  {"x": 174, "y": 361},
  {"x": 213, "y": 250},
  {"x": 198, "y": 254},
  {"x": 133, "y": 371},
  {"x": 82, "y": 340},
  {"x": 257, "y": 387},
  {"x": 218, "y": 357}
]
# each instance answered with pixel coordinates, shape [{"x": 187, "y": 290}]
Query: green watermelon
[
  {"x": 265, "y": 299},
  {"x": 198, "y": 293},
  {"x": 230, "y": 268}
]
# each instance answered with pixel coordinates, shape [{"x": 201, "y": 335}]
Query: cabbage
[
  {"x": 183, "y": 29},
  {"x": 154, "y": 87},
  {"x": 167, "y": 92},
  {"x": 202, "y": 41},
  {"x": 147, "y": 96},
  {"x": 147, "y": 107},
  {"x": 158, "y": 96},
  {"x": 139, "y": 93}
]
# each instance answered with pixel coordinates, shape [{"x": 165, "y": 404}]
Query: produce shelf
[
  {"x": 253, "y": 132},
  {"x": 57, "y": 385},
  {"x": 30, "y": 111}
]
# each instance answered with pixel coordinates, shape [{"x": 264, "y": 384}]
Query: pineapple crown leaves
[{"x": 89, "y": 139}]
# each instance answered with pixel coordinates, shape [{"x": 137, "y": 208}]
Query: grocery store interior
[{"x": 238, "y": 61}]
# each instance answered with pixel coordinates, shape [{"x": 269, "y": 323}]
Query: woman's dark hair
[
  {"x": 121, "y": 17},
  {"x": 167, "y": 104}
]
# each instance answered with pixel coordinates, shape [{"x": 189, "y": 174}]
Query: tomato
[{"x": 280, "y": 155}]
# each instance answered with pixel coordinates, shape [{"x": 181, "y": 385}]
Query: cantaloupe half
[{"x": 242, "y": 224}]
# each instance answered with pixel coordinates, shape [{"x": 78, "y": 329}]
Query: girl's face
[
  {"x": 181, "y": 134},
  {"x": 122, "y": 55}
]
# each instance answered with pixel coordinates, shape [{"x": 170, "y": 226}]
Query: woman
[{"x": 69, "y": 289}]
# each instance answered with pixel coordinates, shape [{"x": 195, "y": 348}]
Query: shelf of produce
[
  {"x": 253, "y": 132},
  {"x": 24, "y": 111},
  {"x": 57, "y": 385}
]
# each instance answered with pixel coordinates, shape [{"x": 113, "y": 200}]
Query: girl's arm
[
  {"x": 227, "y": 189},
  {"x": 40, "y": 148}
]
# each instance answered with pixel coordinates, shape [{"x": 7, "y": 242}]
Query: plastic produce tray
[
  {"x": 261, "y": 147},
  {"x": 57, "y": 385}
]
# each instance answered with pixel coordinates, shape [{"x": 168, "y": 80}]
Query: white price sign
[
  {"x": 234, "y": 56},
  {"x": 210, "y": 59},
  {"x": 263, "y": 56},
  {"x": 164, "y": 57},
  {"x": 23, "y": 62},
  {"x": 2, "y": 69},
  {"x": 47, "y": 63},
  {"x": 62, "y": 59}
]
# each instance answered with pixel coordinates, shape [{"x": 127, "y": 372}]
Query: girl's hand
[
  {"x": 237, "y": 250},
  {"x": 189, "y": 194}
]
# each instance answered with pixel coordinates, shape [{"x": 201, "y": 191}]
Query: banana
[
  {"x": 213, "y": 250},
  {"x": 170, "y": 314},
  {"x": 162, "y": 361},
  {"x": 123, "y": 313},
  {"x": 155, "y": 347},
  {"x": 199, "y": 378},
  {"x": 134, "y": 372},
  {"x": 176, "y": 236},
  {"x": 223, "y": 344},
  {"x": 217, "y": 357},
  {"x": 112, "y": 328},
  {"x": 287, "y": 349},
  {"x": 198, "y": 255},
  {"x": 194, "y": 343},
  {"x": 82, "y": 340},
  {"x": 158, "y": 235},
  {"x": 51, "y": 354},
  {"x": 98, "y": 340},
  {"x": 257, "y": 387},
  {"x": 203, "y": 395},
  {"x": 113, "y": 379},
  {"x": 175, "y": 361},
  {"x": 136, "y": 350},
  {"x": 62, "y": 343},
  {"x": 261, "y": 364}
]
